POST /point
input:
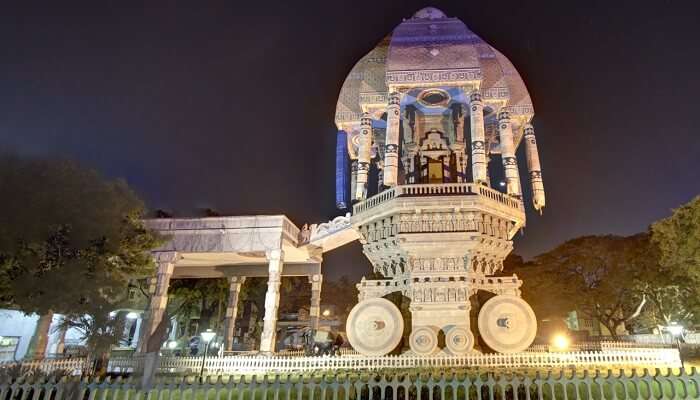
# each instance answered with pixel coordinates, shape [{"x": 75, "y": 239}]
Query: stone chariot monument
[{"x": 429, "y": 123}]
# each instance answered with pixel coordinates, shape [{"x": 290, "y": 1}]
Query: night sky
[{"x": 231, "y": 106}]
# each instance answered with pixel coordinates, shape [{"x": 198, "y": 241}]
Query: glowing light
[
  {"x": 132, "y": 315},
  {"x": 561, "y": 341},
  {"x": 675, "y": 329},
  {"x": 112, "y": 314},
  {"x": 502, "y": 183},
  {"x": 326, "y": 312},
  {"x": 208, "y": 335},
  {"x": 172, "y": 344}
]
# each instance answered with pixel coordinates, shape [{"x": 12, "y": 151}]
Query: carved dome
[
  {"x": 433, "y": 50},
  {"x": 429, "y": 13}
]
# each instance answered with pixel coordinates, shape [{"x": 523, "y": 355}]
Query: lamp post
[
  {"x": 207, "y": 337},
  {"x": 677, "y": 331}
]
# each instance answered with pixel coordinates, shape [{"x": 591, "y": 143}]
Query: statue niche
[{"x": 434, "y": 156}]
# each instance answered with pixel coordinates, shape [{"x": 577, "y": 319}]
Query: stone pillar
[
  {"x": 479, "y": 165},
  {"x": 510, "y": 163},
  {"x": 363, "y": 156},
  {"x": 353, "y": 180},
  {"x": 234, "y": 290},
  {"x": 391, "y": 147},
  {"x": 272, "y": 299},
  {"x": 40, "y": 340},
  {"x": 458, "y": 121},
  {"x": 446, "y": 176},
  {"x": 534, "y": 169},
  {"x": 412, "y": 168},
  {"x": 61, "y": 345},
  {"x": 165, "y": 262},
  {"x": 142, "y": 334},
  {"x": 315, "y": 308},
  {"x": 461, "y": 162}
]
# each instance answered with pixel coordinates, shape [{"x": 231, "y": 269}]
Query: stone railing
[
  {"x": 653, "y": 358},
  {"x": 444, "y": 189},
  {"x": 317, "y": 232},
  {"x": 562, "y": 384}
]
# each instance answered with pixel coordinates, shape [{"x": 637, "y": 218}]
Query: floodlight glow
[
  {"x": 172, "y": 344},
  {"x": 676, "y": 330},
  {"x": 561, "y": 341},
  {"x": 112, "y": 314},
  {"x": 208, "y": 335},
  {"x": 326, "y": 312},
  {"x": 132, "y": 315}
]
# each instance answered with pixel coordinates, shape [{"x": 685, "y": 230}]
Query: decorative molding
[{"x": 433, "y": 76}]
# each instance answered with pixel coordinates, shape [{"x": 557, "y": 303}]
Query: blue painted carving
[{"x": 341, "y": 171}]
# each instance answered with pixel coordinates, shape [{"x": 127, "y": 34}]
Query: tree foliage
[
  {"x": 675, "y": 291},
  {"x": 341, "y": 293},
  {"x": 595, "y": 275},
  {"x": 70, "y": 240},
  {"x": 202, "y": 298}
]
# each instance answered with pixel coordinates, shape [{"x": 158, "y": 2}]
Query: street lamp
[
  {"x": 677, "y": 331},
  {"x": 207, "y": 337},
  {"x": 561, "y": 342}
]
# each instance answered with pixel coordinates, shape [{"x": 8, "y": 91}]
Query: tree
[
  {"x": 70, "y": 241},
  {"x": 675, "y": 291},
  {"x": 595, "y": 275},
  {"x": 341, "y": 293},
  {"x": 205, "y": 298},
  {"x": 548, "y": 299}
]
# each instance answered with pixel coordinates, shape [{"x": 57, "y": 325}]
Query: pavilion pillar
[
  {"x": 234, "y": 290},
  {"x": 510, "y": 163},
  {"x": 165, "y": 262},
  {"x": 476, "y": 117},
  {"x": 272, "y": 299},
  {"x": 353, "y": 180},
  {"x": 363, "y": 156},
  {"x": 391, "y": 146},
  {"x": 534, "y": 169},
  {"x": 446, "y": 176},
  {"x": 61, "y": 345},
  {"x": 40, "y": 340},
  {"x": 460, "y": 162},
  {"x": 315, "y": 308}
]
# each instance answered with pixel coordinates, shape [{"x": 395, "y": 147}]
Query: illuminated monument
[{"x": 425, "y": 118}]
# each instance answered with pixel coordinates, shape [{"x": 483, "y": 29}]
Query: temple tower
[{"x": 425, "y": 111}]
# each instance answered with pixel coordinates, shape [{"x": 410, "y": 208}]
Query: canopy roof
[{"x": 431, "y": 49}]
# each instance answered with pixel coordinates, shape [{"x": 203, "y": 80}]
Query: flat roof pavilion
[{"x": 237, "y": 247}]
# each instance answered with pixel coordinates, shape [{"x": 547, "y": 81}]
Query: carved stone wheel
[
  {"x": 423, "y": 340},
  {"x": 374, "y": 327},
  {"x": 459, "y": 340},
  {"x": 507, "y": 324}
]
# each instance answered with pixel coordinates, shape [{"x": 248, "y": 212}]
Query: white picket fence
[
  {"x": 74, "y": 366},
  {"x": 666, "y": 338},
  {"x": 653, "y": 358}
]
